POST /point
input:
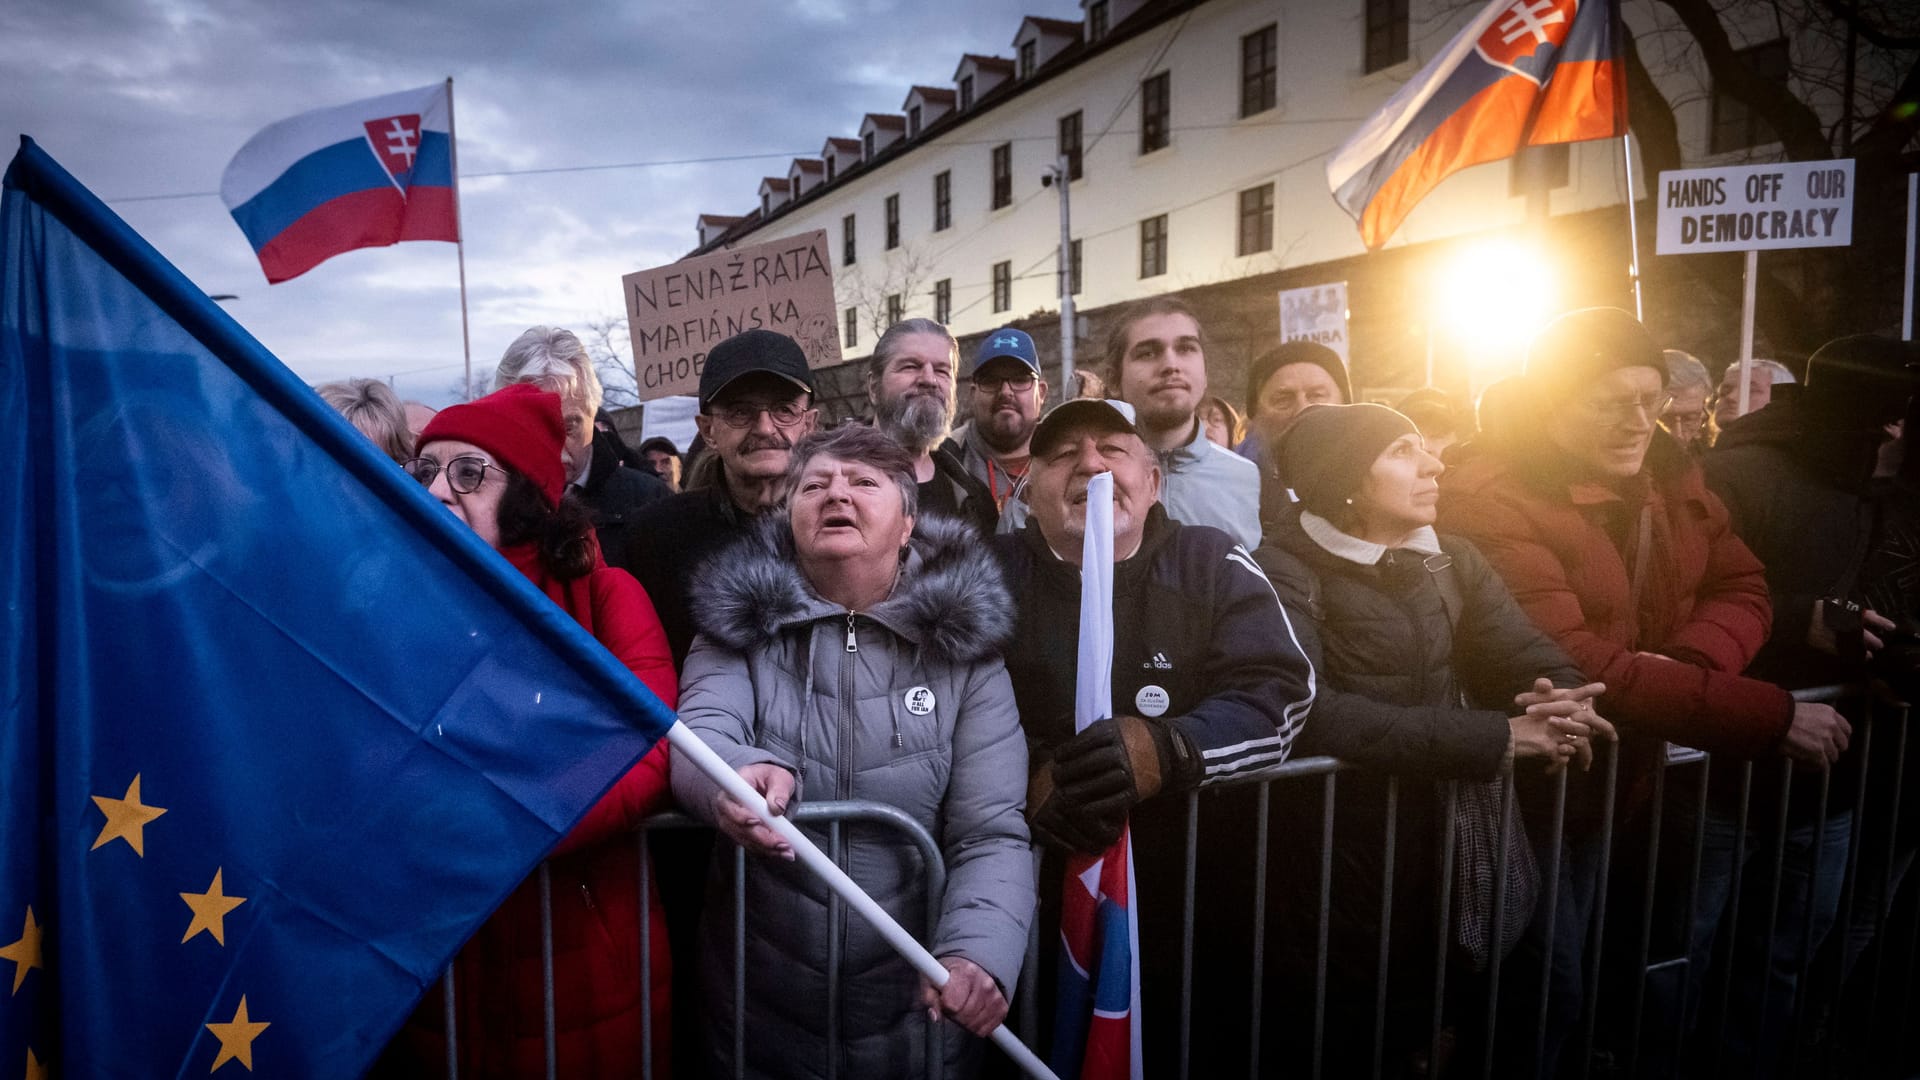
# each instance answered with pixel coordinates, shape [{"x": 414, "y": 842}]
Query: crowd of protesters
[{"x": 1606, "y": 562}]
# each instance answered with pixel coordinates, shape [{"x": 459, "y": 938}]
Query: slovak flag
[
  {"x": 1096, "y": 1029},
  {"x": 1522, "y": 73},
  {"x": 369, "y": 174}
]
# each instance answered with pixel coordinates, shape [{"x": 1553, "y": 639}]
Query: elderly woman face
[
  {"x": 467, "y": 481},
  {"x": 847, "y": 510}
]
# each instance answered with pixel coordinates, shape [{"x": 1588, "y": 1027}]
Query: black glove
[{"x": 1080, "y": 799}]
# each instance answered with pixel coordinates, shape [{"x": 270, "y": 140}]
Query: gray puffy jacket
[{"x": 780, "y": 675}]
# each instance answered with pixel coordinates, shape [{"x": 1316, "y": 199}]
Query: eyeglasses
[
  {"x": 991, "y": 384},
  {"x": 465, "y": 474},
  {"x": 1620, "y": 410},
  {"x": 740, "y": 416}
]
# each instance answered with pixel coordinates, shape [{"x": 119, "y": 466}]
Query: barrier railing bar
[
  {"x": 1598, "y": 916},
  {"x": 1688, "y": 975},
  {"x": 935, "y": 868},
  {"x": 1856, "y": 840},
  {"x": 453, "y": 1041},
  {"x": 1556, "y": 841},
  {"x": 1803, "y": 969},
  {"x": 1386, "y": 927},
  {"x": 1186, "y": 933},
  {"x": 1504, "y": 839},
  {"x": 739, "y": 963},
  {"x": 546, "y": 970},
  {"x": 1443, "y": 925},
  {"x": 1326, "y": 905},
  {"x": 1772, "y": 925},
  {"x": 1645, "y": 943},
  {"x": 1259, "y": 925},
  {"x": 1885, "y": 900},
  {"x": 834, "y": 944},
  {"x": 1731, "y": 922},
  {"x": 646, "y": 957}
]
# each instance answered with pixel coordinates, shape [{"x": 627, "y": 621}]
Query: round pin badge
[
  {"x": 919, "y": 701},
  {"x": 1152, "y": 701}
]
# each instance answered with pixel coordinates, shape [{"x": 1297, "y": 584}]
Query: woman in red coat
[{"x": 495, "y": 463}]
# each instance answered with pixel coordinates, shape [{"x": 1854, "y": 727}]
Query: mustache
[{"x": 753, "y": 443}]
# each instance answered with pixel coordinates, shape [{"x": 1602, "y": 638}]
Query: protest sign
[
  {"x": 675, "y": 313},
  {"x": 1793, "y": 204},
  {"x": 1317, "y": 313}
]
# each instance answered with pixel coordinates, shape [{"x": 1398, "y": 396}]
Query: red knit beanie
[{"x": 519, "y": 425}]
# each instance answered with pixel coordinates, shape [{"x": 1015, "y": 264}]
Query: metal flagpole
[
  {"x": 694, "y": 752},
  {"x": 460, "y": 247},
  {"x": 1066, "y": 283},
  {"x": 1746, "y": 331},
  {"x": 1913, "y": 235},
  {"x": 1633, "y": 229}
]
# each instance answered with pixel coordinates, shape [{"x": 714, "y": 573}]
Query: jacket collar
[
  {"x": 1355, "y": 550},
  {"x": 950, "y": 602},
  {"x": 1187, "y": 454}
]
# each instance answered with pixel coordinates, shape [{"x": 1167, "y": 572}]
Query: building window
[
  {"x": 1028, "y": 51},
  {"x": 766, "y": 204},
  {"x": 913, "y": 122},
  {"x": 943, "y": 200},
  {"x": 1256, "y": 220},
  {"x": 1153, "y": 246},
  {"x": 896, "y": 310},
  {"x": 1002, "y": 175},
  {"x": 866, "y": 145},
  {"x": 1259, "y": 71},
  {"x": 831, "y": 162},
  {"x": 853, "y": 328},
  {"x": 1097, "y": 20},
  {"x": 1552, "y": 161},
  {"x": 1070, "y": 143},
  {"x": 893, "y": 221},
  {"x": 1002, "y": 286},
  {"x": 846, "y": 241},
  {"x": 1156, "y": 105},
  {"x": 943, "y": 300},
  {"x": 1073, "y": 269},
  {"x": 1736, "y": 127},
  {"x": 1386, "y": 34},
  {"x": 966, "y": 92}
]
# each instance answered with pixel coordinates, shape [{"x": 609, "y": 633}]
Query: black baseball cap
[
  {"x": 749, "y": 353},
  {"x": 1100, "y": 413}
]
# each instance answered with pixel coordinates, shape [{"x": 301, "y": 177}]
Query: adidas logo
[{"x": 1159, "y": 662}]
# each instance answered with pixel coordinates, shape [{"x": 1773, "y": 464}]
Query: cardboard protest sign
[
  {"x": 1317, "y": 313},
  {"x": 1791, "y": 204},
  {"x": 675, "y": 313}
]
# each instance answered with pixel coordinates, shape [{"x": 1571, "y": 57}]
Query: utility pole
[{"x": 1058, "y": 175}]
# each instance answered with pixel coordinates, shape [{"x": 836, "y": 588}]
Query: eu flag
[{"x": 276, "y": 731}]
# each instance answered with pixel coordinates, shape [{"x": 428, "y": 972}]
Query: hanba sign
[
  {"x": 1318, "y": 314},
  {"x": 675, "y": 313},
  {"x": 1794, "y": 204}
]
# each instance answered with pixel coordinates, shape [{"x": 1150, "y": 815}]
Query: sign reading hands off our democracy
[
  {"x": 675, "y": 313},
  {"x": 1791, "y": 204}
]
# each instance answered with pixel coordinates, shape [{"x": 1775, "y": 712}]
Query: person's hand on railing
[
  {"x": 741, "y": 825},
  {"x": 971, "y": 997},
  {"x": 1560, "y": 732},
  {"x": 1818, "y": 735}
]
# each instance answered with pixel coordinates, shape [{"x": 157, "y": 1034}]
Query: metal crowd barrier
[{"x": 1834, "y": 1032}]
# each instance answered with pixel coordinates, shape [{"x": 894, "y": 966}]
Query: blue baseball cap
[{"x": 1009, "y": 342}]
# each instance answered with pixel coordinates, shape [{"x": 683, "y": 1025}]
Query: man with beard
[
  {"x": 1157, "y": 363},
  {"x": 910, "y": 380},
  {"x": 1209, "y": 684},
  {"x": 1008, "y": 394},
  {"x": 756, "y": 401}
]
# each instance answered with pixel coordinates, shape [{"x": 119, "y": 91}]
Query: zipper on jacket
[{"x": 852, "y": 645}]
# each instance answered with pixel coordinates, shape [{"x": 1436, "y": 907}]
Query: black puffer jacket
[{"x": 615, "y": 494}]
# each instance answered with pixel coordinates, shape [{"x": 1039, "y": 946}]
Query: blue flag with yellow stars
[{"x": 277, "y": 732}]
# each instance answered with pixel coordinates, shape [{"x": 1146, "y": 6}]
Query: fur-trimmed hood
[{"x": 951, "y": 602}]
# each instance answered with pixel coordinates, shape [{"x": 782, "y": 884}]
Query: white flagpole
[
  {"x": 701, "y": 756},
  {"x": 1747, "y": 293},
  {"x": 460, "y": 246},
  {"x": 1633, "y": 228}
]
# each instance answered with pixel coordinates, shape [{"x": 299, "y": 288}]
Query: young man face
[{"x": 1163, "y": 373}]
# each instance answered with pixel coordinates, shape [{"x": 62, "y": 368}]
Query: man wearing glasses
[
  {"x": 1007, "y": 396},
  {"x": 756, "y": 401},
  {"x": 1604, "y": 529}
]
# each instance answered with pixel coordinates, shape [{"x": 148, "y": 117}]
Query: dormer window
[
  {"x": 966, "y": 92},
  {"x": 866, "y": 143},
  {"x": 1028, "y": 51}
]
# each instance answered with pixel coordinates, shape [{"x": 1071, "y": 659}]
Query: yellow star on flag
[
  {"x": 127, "y": 818},
  {"x": 236, "y": 1038},
  {"x": 24, "y": 953},
  {"x": 36, "y": 1069},
  {"x": 210, "y": 910}
]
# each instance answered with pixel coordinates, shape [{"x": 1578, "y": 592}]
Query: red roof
[
  {"x": 933, "y": 95},
  {"x": 886, "y": 120},
  {"x": 775, "y": 183},
  {"x": 1067, "y": 27},
  {"x": 808, "y": 165},
  {"x": 999, "y": 62},
  {"x": 839, "y": 143},
  {"x": 720, "y": 219}
]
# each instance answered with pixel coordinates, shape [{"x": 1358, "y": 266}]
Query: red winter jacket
[
  {"x": 1556, "y": 537},
  {"x": 596, "y": 901}
]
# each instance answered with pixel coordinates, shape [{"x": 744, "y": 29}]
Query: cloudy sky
[{"x": 152, "y": 99}]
